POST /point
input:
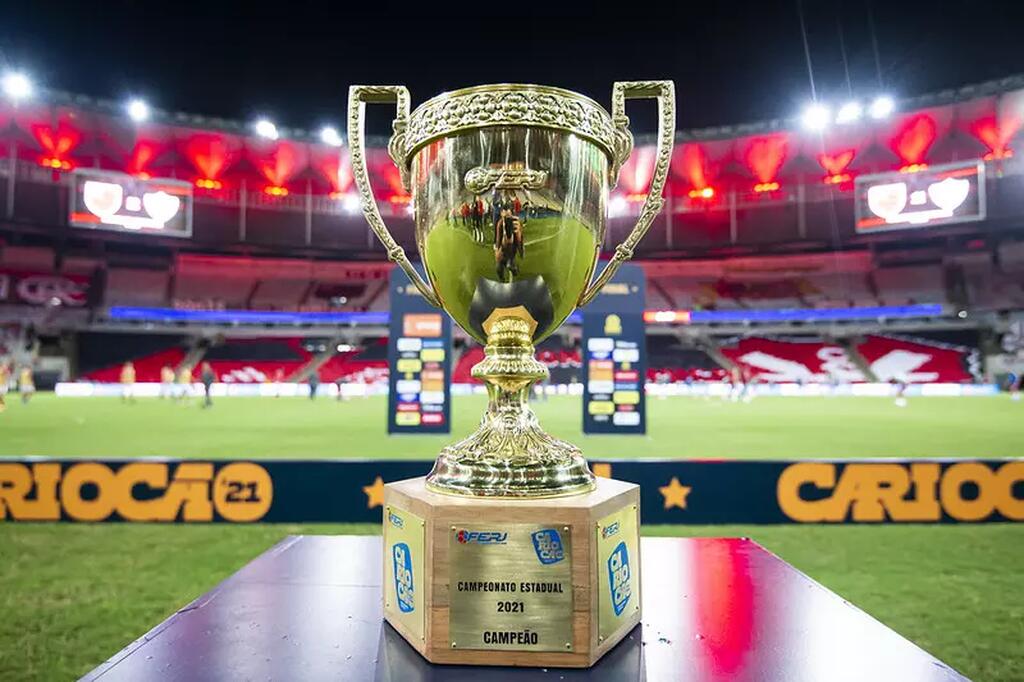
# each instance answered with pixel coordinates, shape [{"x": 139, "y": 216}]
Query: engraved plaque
[
  {"x": 404, "y": 579},
  {"x": 618, "y": 570},
  {"x": 510, "y": 587}
]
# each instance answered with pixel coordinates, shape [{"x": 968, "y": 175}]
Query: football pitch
[{"x": 74, "y": 594}]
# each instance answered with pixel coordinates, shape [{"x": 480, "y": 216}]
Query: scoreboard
[
  {"x": 125, "y": 203},
  {"x": 936, "y": 195},
  {"x": 419, "y": 361}
]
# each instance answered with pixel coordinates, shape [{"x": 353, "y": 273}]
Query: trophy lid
[{"x": 511, "y": 104}]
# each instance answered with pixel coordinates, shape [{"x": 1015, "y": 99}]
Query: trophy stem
[{"x": 510, "y": 455}]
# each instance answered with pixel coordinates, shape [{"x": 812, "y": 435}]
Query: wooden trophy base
[{"x": 551, "y": 582}]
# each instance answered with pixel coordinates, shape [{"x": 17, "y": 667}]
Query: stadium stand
[
  {"x": 670, "y": 360},
  {"x": 794, "y": 359},
  {"x": 256, "y": 360},
  {"x": 366, "y": 363},
  {"x": 101, "y": 355},
  {"x": 910, "y": 284},
  {"x": 916, "y": 361}
]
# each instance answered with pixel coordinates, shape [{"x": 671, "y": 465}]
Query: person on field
[
  {"x": 207, "y": 376},
  {"x": 508, "y": 244},
  {"x": 26, "y": 384},
  {"x": 184, "y": 382},
  {"x": 5, "y": 383},
  {"x": 901, "y": 390},
  {"x": 166, "y": 382},
  {"x": 314, "y": 384},
  {"x": 128, "y": 382}
]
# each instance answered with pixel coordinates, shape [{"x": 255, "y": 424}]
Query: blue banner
[
  {"x": 614, "y": 350},
  {"x": 419, "y": 361},
  {"x": 671, "y": 491}
]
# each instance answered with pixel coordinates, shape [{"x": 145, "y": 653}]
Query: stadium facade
[{"x": 886, "y": 248}]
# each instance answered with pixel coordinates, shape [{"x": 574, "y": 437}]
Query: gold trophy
[{"x": 510, "y": 552}]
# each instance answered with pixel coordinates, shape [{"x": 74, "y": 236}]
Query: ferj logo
[
  {"x": 618, "y": 578},
  {"x": 548, "y": 545},
  {"x": 404, "y": 588},
  {"x": 395, "y": 520},
  {"x": 482, "y": 537},
  {"x": 610, "y": 530}
]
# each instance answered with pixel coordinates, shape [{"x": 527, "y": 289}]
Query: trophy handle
[
  {"x": 665, "y": 93},
  {"x": 358, "y": 96}
]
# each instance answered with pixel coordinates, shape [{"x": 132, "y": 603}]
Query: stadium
[{"x": 831, "y": 301}]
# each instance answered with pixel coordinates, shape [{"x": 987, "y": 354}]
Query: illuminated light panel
[
  {"x": 617, "y": 205},
  {"x": 766, "y": 187},
  {"x": 275, "y": 191},
  {"x": 838, "y": 179},
  {"x": 55, "y": 163},
  {"x": 636, "y": 197},
  {"x": 998, "y": 154},
  {"x": 702, "y": 193},
  {"x": 400, "y": 199},
  {"x": 914, "y": 168},
  {"x": 913, "y": 140},
  {"x": 351, "y": 203},
  {"x": 667, "y": 316},
  {"x": 208, "y": 183}
]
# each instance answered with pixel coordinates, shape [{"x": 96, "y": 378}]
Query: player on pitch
[
  {"x": 128, "y": 382},
  {"x": 5, "y": 383}
]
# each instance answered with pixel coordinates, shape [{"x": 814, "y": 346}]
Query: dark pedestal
[{"x": 309, "y": 608}]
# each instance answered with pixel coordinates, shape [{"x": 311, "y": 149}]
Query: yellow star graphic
[
  {"x": 374, "y": 493},
  {"x": 675, "y": 494}
]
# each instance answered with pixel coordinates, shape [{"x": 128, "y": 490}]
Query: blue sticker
[
  {"x": 618, "y": 578},
  {"x": 548, "y": 545},
  {"x": 402, "y": 561}
]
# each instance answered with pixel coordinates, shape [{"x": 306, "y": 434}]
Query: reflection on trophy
[{"x": 510, "y": 551}]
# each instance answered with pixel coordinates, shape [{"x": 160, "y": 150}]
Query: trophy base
[{"x": 549, "y": 582}]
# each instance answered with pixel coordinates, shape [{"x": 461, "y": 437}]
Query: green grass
[
  {"x": 777, "y": 428},
  {"x": 73, "y": 595}
]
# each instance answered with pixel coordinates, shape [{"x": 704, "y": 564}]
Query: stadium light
[
  {"x": 849, "y": 113},
  {"x": 138, "y": 110},
  {"x": 330, "y": 136},
  {"x": 881, "y": 107},
  {"x": 265, "y": 128},
  {"x": 351, "y": 203},
  {"x": 815, "y": 116},
  {"x": 618, "y": 205},
  {"x": 16, "y": 85}
]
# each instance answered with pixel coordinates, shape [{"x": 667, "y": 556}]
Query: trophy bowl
[{"x": 509, "y": 186}]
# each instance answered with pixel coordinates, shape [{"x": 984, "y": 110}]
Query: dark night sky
[{"x": 293, "y": 61}]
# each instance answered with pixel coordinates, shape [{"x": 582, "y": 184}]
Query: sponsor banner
[
  {"x": 678, "y": 492},
  {"x": 614, "y": 351},
  {"x": 420, "y": 362},
  {"x": 20, "y": 287}
]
